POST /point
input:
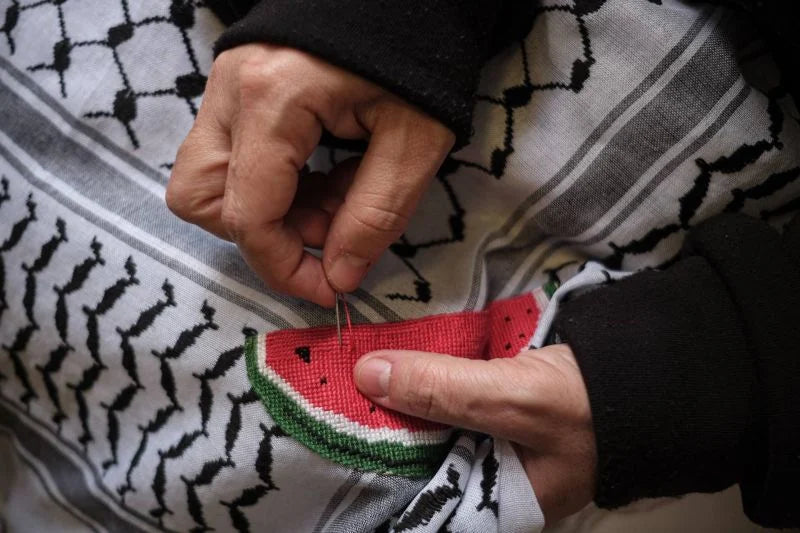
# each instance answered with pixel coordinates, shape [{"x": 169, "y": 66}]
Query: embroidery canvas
[{"x": 305, "y": 379}]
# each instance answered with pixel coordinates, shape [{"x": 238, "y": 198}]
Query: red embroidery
[
  {"x": 303, "y": 357},
  {"x": 511, "y": 325},
  {"x": 306, "y": 380}
]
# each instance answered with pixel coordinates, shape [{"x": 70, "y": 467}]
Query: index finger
[
  {"x": 404, "y": 153},
  {"x": 271, "y": 141}
]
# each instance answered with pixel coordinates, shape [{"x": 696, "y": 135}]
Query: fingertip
[
  {"x": 346, "y": 271},
  {"x": 372, "y": 375}
]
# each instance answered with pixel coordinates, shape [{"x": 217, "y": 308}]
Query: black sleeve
[
  {"x": 428, "y": 52},
  {"x": 778, "y": 22},
  {"x": 693, "y": 373}
]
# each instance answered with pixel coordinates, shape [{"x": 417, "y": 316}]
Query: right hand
[
  {"x": 236, "y": 174},
  {"x": 537, "y": 400}
]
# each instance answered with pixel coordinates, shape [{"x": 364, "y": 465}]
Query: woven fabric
[
  {"x": 305, "y": 379},
  {"x": 125, "y": 403}
]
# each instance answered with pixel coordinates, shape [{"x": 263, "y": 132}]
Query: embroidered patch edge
[{"x": 384, "y": 457}]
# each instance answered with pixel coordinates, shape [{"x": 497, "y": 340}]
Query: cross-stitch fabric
[
  {"x": 125, "y": 403},
  {"x": 305, "y": 379}
]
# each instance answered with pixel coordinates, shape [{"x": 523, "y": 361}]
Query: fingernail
[
  {"x": 373, "y": 377},
  {"x": 347, "y": 271}
]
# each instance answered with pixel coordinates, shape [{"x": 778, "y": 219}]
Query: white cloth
[{"x": 124, "y": 399}]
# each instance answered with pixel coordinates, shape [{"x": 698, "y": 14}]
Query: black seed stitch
[{"x": 304, "y": 352}]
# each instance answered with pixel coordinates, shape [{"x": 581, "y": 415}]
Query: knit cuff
[
  {"x": 430, "y": 56},
  {"x": 763, "y": 280},
  {"x": 670, "y": 382}
]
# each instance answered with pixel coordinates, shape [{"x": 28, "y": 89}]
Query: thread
[
  {"x": 349, "y": 323},
  {"x": 344, "y": 425}
]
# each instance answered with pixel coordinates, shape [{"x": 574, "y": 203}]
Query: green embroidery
[
  {"x": 550, "y": 288},
  {"x": 383, "y": 456}
]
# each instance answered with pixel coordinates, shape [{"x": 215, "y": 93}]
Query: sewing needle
[{"x": 338, "y": 321}]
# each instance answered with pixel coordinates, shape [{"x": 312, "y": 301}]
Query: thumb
[
  {"x": 405, "y": 150},
  {"x": 485, "y": 396}
]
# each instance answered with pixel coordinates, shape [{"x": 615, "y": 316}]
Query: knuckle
[
  {"x": 234, "y": 223},
  {"x": 183, "y": 157},
  {"x": 384, "y": 111},
  {"x": 219, "y": 67},
  {"x": 192, "y": 185},
  {"x": 188, "y": 205},
  {"x": 176, "y": 199},
  {"x": 421, "y": 131},
  {"x": 254, "y": 78},
  {"x": 243, "y": 227},
  {"x": 236, "y": 167},
  {"x": 276, "y": 75},
  {"x": 382, "y": 220},
  {"x": 178, "y": 195},
  {"x": 226, "y": 58},
  {"x": 440, "y": 137}
]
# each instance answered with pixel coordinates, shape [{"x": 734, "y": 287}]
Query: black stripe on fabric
[
  {"x": 82, "y": 170},
  {"x": 68, "y": 476},
  {"x": 662, "y": 123},
  {"x": 631, "y": 98},
  {"x": 381, "y": 498},
  {"x": 670, "y": 167},
  {"x": 66, "y": 507},
  {"x": 336, "y": 499},
  {"x": 80, "y": 126},
  {"x": 153, "y": 253}
]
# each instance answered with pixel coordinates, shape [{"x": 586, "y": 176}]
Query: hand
[
  {"x": 536, "y": 400},
  {"x": 236, "y": 174}
]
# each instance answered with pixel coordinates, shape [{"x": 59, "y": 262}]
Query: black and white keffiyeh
[{"x": 125, "y": 405}]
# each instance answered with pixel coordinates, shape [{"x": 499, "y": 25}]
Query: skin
[
  {"x": 238, "y": 176},
  {"x": 537, "y": 400}
]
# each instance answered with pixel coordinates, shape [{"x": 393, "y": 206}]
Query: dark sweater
[
  {"x": 430, "y": 52},
  {"x": 438, "y": 73},
  {"x": 693, "y": 372}
]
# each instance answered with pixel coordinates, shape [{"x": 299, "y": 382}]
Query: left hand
[
  {"x": 237, "y": 174},
  {"x": 536, "y": 400}
]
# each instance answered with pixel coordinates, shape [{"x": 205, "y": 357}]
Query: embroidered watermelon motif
[{"x": 305, "y": 379}]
